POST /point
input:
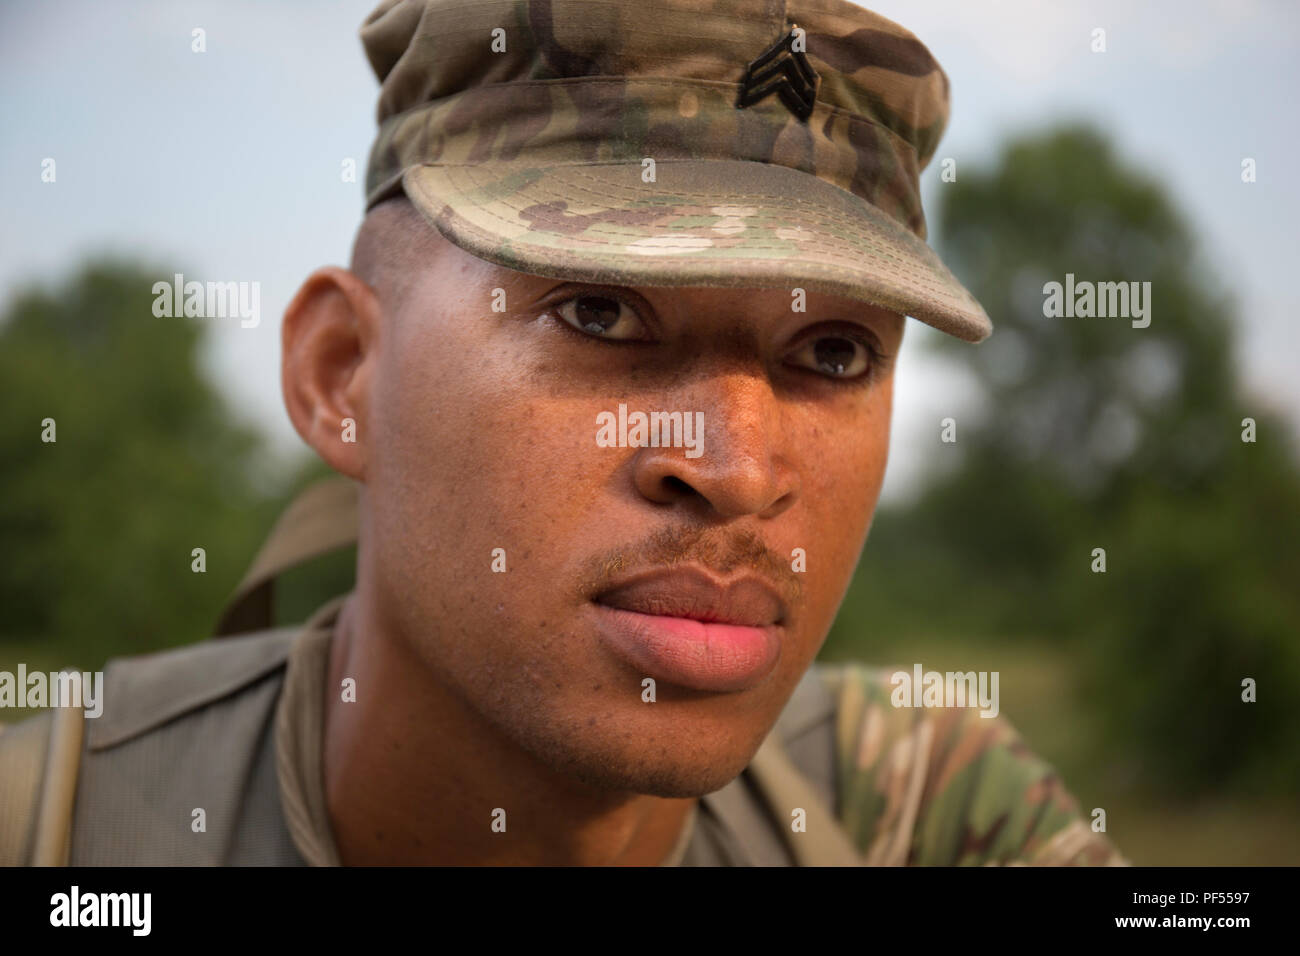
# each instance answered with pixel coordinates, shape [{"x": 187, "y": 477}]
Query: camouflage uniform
[{"x": 523, "y": 131}]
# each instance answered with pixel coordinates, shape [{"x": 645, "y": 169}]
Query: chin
[
  {"x": 669, "y": 780},
  {"x": 665, "y": 750},
  {"x": 656, "y": 770}
]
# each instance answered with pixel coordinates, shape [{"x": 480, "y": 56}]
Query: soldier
[{"x": 606, "y": 505}]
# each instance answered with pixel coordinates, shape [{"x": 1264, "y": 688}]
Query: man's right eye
[{"x": 603, "y": 316}]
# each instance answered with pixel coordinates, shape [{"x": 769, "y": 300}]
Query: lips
[
  {"x": 747, "y": 601},
  {"x": 686, "y": 627}
]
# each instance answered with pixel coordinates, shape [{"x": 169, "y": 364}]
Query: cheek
[
  {"x": 859, "y": 468},
  {"x": 839, "y": 495},
  {"x": 471, "y": 456}
]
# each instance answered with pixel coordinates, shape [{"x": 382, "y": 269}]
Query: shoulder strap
[
  {"x": 323, "y": 518},
  {"x": 784, "y": 788},
  {"x": 35, "y": 804},
  {"x": 22, "y": 754},
  {"x": 54, "y": 818},
  {"x": 795, "y": 768}
]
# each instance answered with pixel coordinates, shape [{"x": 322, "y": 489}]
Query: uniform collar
[{"x": 300, "y": 738}]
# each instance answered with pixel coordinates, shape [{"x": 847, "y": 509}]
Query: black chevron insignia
[{"x": 784, "y": 71}]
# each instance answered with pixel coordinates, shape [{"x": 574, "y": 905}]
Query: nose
[{"x": 741, "y": 468}]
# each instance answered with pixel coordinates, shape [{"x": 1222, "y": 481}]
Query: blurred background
[{"x": 1072, "y": 434}]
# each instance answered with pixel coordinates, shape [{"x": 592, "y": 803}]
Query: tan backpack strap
[
  {"x": 323, "y": 518},
  {"x": 39, "y": 761},
  {"x": 824, "y": 843},
  {"x": 23, "y": 750},
  {"x": 53, "y": 834}
]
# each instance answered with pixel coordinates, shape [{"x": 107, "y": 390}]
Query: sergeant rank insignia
[{"x": 782, "y": 70}]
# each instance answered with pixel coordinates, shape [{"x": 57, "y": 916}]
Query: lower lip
[{"x": 690, "y": 653}]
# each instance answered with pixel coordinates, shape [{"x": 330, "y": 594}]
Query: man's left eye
[
  {"x": 836, "y": 356},
  {"x": 602, "y": 316}
]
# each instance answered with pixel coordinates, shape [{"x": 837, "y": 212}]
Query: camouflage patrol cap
[{"x": 725, "y": 143}]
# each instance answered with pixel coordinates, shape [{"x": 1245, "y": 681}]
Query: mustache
[{"x": 717, "y": 550}]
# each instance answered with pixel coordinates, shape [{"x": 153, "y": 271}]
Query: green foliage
[
  {"x": 97, "y": 528},
  {"x": 1102, "y": 435}
]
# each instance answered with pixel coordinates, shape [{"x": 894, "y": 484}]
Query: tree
[
  {"x": 98, "y": 527},
  {"x": 1100, "y": 434}
]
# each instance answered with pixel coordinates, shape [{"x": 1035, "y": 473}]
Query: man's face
[{"x": 483, "y": 435}]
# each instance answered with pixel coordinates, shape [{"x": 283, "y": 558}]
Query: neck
[{"x": 413, "y": 776}]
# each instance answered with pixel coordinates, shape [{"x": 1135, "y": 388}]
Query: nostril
[{"x": 677, "y": 486}]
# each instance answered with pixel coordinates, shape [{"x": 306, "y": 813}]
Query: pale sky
[{"x": 226, "y": 164}]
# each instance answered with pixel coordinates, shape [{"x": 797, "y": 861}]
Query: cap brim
[{"x": 721, "y": 223}]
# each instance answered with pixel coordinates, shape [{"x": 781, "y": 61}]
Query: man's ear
[{"x": 329, "y": 342}]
